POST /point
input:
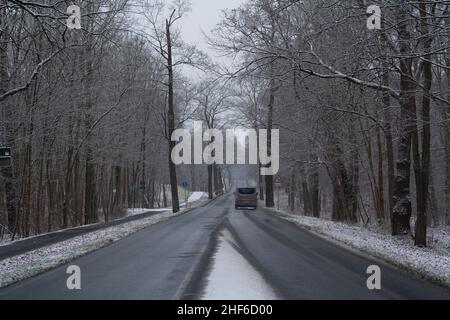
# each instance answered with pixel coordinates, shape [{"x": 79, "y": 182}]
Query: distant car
[{"x": 246, "y": 197}]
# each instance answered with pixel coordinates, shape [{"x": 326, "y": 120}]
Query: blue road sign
[
  {"x": 184, "y": 184},
  {"x": 5, "y": 157},
  {"x": 5, "y": 153}
]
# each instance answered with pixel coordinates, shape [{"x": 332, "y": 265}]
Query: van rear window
[{"x": 246, "y": 190}]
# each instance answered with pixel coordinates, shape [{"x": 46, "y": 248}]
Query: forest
[{"x": 363, "y": 113}]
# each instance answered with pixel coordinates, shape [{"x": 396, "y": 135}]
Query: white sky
[{"x": 204, "y": 17}]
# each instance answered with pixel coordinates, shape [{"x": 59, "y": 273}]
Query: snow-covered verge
[
  {"x": 137, "y": 211},
  {"x": 29, "y": 264},
  {"x": 6, "y": 239},
  {"x": 37, "y": 261},
  {"x": 197, "y": 196},
  {"x": 432, "y": 263},
  {"x": 198, "y": 200},
  {"x": 193, "y": 199}
]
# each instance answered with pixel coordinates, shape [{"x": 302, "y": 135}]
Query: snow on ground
[
  {"x": 34, "y": 262},
  {"x": 136, "y": 211},
  {"x": 432, "y": 263},
  {"x": 196, "y": 196},
  {"x": 5, "y": 240},
  {"x": 233, "y": 278}
]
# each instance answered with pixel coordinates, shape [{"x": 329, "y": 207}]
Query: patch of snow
[
  {"x": 130, "y": 212},
  {"x": 196, "y": 196},
  {"x": 5, "y": 240},
  {"x": 29, "y": 264},
  {"x": 233, "y": 278},
  {"x": 136, "y": 211},
  {"x": 432, "y": 263}
]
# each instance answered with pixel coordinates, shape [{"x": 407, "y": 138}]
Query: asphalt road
[{"x": 170, "y": 260}]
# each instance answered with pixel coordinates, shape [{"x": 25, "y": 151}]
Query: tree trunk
[
  {"x": 216, "y": 180},
  {"x": 388, "y": 129},
  {"x": 210, "y": 181},
  {"x": 261, "y": 184},
  {"x": 164, "y": 195},
  {"x": 90, "y": 206},
  {"x": 6, "y": 111},
  {"x": 380, "y": 182},
  {"x": 90, "y": 194},
  {"x": 315, "y": 188},
  {"x": 193, "y": 179},
  {"x": 402, "y": 202},
  {"x": 171, "y": 124},
  {"x": 422, "y": 165},
  {"x": 269, "y": 178},
  {"x": 446, "y": 115},
  {"x": 291, "y": 194},
  {"x": 433, "y": 216},
  {"x": 142, "y": 184}
]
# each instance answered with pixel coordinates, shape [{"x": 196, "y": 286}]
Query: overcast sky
[{"x": 204, "y": 16}]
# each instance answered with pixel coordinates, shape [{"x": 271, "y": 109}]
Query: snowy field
[
  {"x": 432, "y": 263},
  {"x": 232, "y": 277}
]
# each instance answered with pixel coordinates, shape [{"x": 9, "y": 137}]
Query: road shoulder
[
  {"x": 39, "y": 260},
  {"x": 421, "y": 263}
]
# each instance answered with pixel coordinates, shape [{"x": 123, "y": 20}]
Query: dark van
[{"x": 246, "y": 197}]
